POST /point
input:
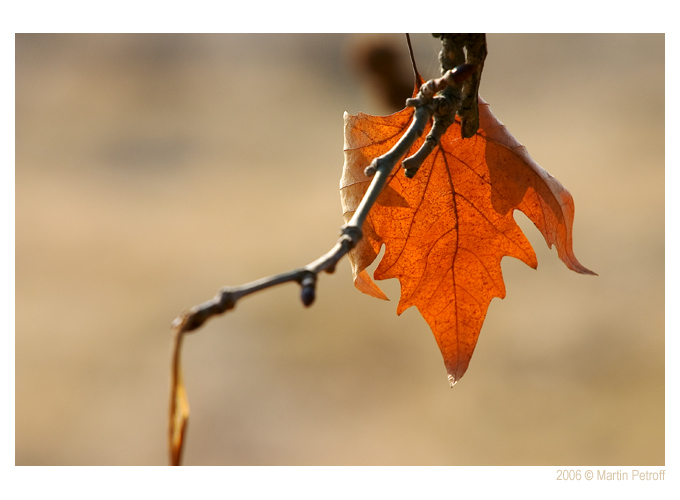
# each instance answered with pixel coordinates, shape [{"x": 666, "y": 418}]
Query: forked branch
[{"x": 433, "y": 100}]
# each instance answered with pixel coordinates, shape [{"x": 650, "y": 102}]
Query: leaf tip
[
  {"x": 452, "y": 381},
  {"x": 584, "y": 270},
  {"x": 364, "y": 283},
  {"x": 573, "y": 264}
]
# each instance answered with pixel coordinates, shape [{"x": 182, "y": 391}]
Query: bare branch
[
  {"x": 306, "y": 276},
  {"x": 427, "y": 103}
]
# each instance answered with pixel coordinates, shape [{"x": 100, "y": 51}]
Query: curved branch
[
  {"x": 227, "y": 297},
  {"x": 426, "y": 104}
]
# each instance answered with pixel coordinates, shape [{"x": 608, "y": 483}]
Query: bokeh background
[{"x": 153, "y": 169}]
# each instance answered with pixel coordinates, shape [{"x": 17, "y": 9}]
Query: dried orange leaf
[{"x": 446, "y": 230}]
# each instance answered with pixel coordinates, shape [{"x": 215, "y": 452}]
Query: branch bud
[
  {"x": 371, "y": 169},
  {"x": 308, "y": 291}
]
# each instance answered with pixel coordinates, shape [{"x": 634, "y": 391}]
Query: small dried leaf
[
  {"x": 180, "y": 418},
  {"x": 179, "y": 406}
]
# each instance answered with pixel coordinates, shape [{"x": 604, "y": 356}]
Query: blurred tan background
[{"x": 153, "y": 169}]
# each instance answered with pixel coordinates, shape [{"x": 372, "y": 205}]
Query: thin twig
[
  {"x": 227, "y": 297},
  {"x": 426, "y": 105}
]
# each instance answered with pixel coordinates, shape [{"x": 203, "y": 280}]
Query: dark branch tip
[
  {"x": 307, "y": 295},
  {"x": 308, "y": 290},
  {"x": 410, "y": 173},
  {"x": 411, "y": 166}
]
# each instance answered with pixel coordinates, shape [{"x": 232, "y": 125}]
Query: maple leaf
[{"x": 446, "y": 230}]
